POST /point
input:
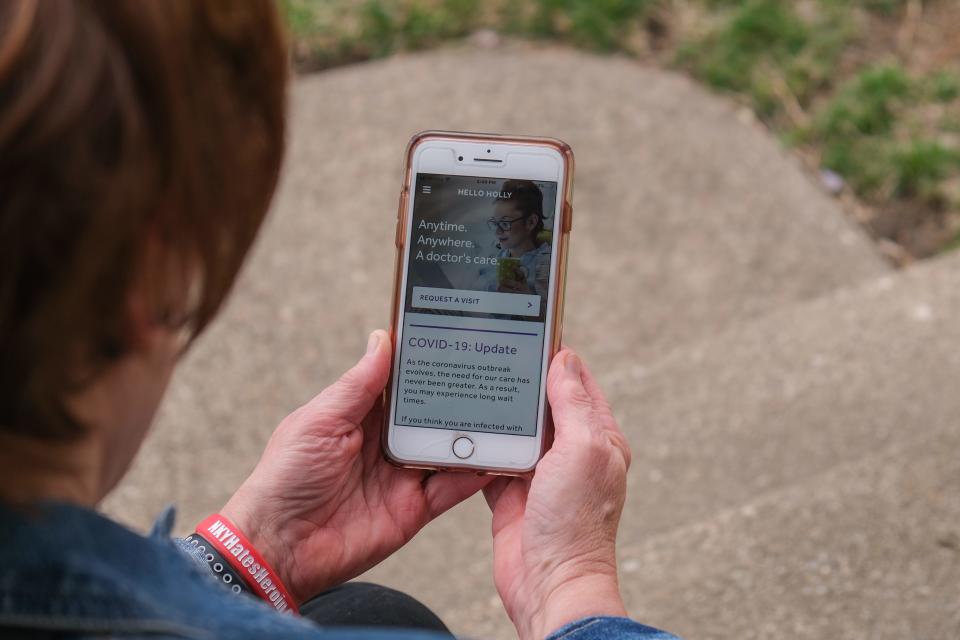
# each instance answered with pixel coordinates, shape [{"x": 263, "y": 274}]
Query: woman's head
[
  {"x": 518, "y": 216},
  {"x": 140, "y": 144}
]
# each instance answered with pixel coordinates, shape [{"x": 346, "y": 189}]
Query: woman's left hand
[
  {"x": 323, "y": 505},
  {"x": 514, "y": 286}
]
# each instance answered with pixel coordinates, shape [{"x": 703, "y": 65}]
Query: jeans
[{"x": 361, "y": 604}]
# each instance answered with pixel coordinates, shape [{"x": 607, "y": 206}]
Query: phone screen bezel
[{"x": 430, "y": 446}]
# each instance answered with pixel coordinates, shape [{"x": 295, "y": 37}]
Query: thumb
[
  {"x": 570, "y": 403},
  {"x": 352, "y": 396}
]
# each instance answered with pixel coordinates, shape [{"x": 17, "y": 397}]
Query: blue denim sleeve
[
  {"x": 195, "y": 555},
  {"x": 609, "y": 628},
  {"x": 161, "y": 529}
]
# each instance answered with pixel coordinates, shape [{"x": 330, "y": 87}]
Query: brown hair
[
  {"x": 123, "y": 124},
  {"x": 528, "y": 200}
]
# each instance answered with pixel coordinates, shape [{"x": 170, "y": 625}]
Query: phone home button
[{"x": 463, "y": 447}]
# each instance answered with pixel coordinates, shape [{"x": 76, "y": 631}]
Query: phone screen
[{"x": 476, "y": 304}]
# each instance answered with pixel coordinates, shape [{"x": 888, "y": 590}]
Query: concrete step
[
  {"x": 791, "y": 395},
  {"x": 690, "y": 220},
  {"x": 770, "y": 415},
  {"x": 870, "y": 549}
]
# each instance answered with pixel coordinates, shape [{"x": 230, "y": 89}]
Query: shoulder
[
  {"x": 70, "y": 571},
  {"x": 67, "y": 571}
]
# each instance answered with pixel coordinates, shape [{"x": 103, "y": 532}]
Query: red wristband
[{"x": 237, "y": 550}]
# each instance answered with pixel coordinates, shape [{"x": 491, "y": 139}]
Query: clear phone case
[{"x": 564, "y": 224}]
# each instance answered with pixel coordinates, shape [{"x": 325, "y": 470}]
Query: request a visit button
[{"x": 511, "y": 304}]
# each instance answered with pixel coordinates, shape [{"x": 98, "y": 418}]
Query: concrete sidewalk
[{"x": 778, "y": 384}]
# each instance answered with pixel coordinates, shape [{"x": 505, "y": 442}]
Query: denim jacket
[{"x": 69, "y": 572}]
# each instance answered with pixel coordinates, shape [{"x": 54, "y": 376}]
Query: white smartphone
[{"x": 482, "y": 234}]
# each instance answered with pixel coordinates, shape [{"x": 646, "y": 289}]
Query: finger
[
  {"x": 494, "y": 490},
  {"x": 444, "y": 490},
  {"x": 372, "y": 425},
  {"x": 570, "y": 403},
  {"x": 618, "y": 438},
  {"x": 507, "y": 498},
  {"x": 352, "y": 396},
  {"x": 590, "y": 384}
]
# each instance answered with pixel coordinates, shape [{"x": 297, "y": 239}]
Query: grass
[
  {"x": 854, "y": 127},
  {"x": 867, "y": 105},
  {"x": 767, "y": 52},
  {"x": 953, "y": 245},
  {"x": 601, "y": 25},
  {"x": 945, "y": 86},
  {"x": 816, "y": 72},
  {"x": 921, "y": 167},
  {"x": 857, "y": 128},
  {"x": 328, "y": 33},
  {"x": 759, "y": 30},
  {"x": 337, "y": 31}
]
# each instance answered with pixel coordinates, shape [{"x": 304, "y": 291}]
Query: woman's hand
[
  {"x": 555, "y": 535},
  {"x": 323, "y": 505},
  {"x": 514, "y": 286}
]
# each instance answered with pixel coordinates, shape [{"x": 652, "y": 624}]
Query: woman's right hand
[{"x": 555, "y": 534}]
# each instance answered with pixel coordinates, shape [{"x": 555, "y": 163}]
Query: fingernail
[
  {"x": 573, "y": 364},
  {"x": 373, "y": 342}
]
